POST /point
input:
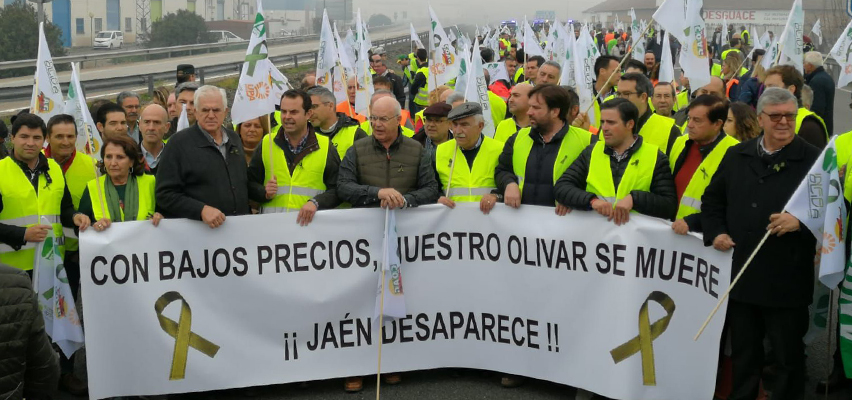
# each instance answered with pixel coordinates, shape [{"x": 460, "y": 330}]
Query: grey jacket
[{"x": 28, "y": 366}]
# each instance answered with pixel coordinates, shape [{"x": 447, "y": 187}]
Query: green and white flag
[
  {"x": 55, "y": 301},
  {"x": 477, "y": 91},
  {"x": 464, "y": 69},
  {"x": 567, "y": 76},
  {"x": 842, "y": 53},
  {"x": 585, "y": 55},
  {"x": 443, "y": 62},
  {"x": 47, "y": 94},
  {"x": 390, "y": 298},
  {"x": 326, "y": 55},
  {"x": 88, "y": 138},
  {"x": 261, "y": 83},
  {"x": 364, "y": 87},
  {"x": 790, "y": 43}
]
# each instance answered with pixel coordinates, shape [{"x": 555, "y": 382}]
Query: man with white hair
[
  {"x": 202, "y": 172},
  {"x": 744, "y": 200},
  {"x": 823, "y": 88}
]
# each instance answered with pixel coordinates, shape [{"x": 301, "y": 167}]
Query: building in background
[{"x": 81, "y": 20}]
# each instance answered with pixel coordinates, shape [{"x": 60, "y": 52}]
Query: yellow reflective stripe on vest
[
  {"x": 803, "y": 113},
  {"x": 422, "y": 96},
  {"x": 147, "y": 203},
  {"x": 306, "y": 181},
  {"x": 572, "y": 145},
  {"x": 690, "y": 203},
  {"x": 637, "y": 175},
  {"x": 469, "y": 183},
  {"x": 22, "y": 207},
  {"x": 657, "y": 130}
]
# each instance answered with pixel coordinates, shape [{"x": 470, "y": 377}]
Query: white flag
[
  {"x": 416, "y": 39},
  {"x": 255, "y": 96},
  {"x": 443, "y": 63},
  {"x": 88, "y": 138},
  {"x": 638, "y": 40},
  {"x": 585, "y": 55},
  {"x": 343, "y": 70},
  {"x": 670, "y": 16},
  {"x": 790, "y": 42},
  {"x": 451, "y": 35},
  {"x": 825, "y": 218},
  {"x": 477, "y": 90},
  {"x": 666, "y": 62},
  {"x": 47, "y": 95},
  {"x": 326, "y": 55},
  {"x": 464, "y": 69},
  {"x": 842, "y": 53},
  {"x": 693, "y": 58},
  {"x": 817, "y": 30},
  {"x": 364, "y": 87},
  {"x": 724, "y": 35},
  {"x": 497, "y": 71},
  {"x": 55, "y": 301},
  {"x": 389, "y": 292},
  {"x": 568, "y": 77},
  {"x": 763, "y": 42},
  {"x": 351, "y": 44},
  {"x": 531, "y": 47},
  {"x": 183, "y": 120}
]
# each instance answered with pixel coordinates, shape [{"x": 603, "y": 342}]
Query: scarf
[{"x": 131, "y": 200}]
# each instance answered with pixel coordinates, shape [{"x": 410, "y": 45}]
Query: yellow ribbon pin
[
  {"x": 647, "y": 334},
  {"x": 181, "y": 331}
]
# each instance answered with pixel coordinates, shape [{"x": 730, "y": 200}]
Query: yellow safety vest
[
  {"x": 716, "y": 70},
  {"x": 498, "y": 108},
  {"x": 743, "y": 34},
  {"x": 418, "y": 117},
  {"x": 469, "y": 183},
  {"x": 637, "y": 175},
  {"x": 22, "y": 207},
  {"x": 518, "y": 73},
  {"x": 343, "y": 139},
  {"x": 843, "y": 145},
  {"x": 366, "y": 127},
  {"x": 804, "y": 113},
  {"x": 597, "y": 106},
  {"x": 306, "y": 181},
  {"x": 147, "y": 201},
  {"x": 507, "y": 45},
  {"x": 79, "y": 173},
  {"x": 572, "y": 145},
  {"x": 505, "y": 129},
  {"x": 690, "y": 203},
  {"x": 657, "y": 130},
  {"x": 725, "y": 54},
  {"x": 682, "y": 100},
  {"x": 422, "y": 96}
]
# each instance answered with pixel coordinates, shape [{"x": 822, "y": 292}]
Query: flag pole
[
  {"x": 271, "y": 154},
  {"x": 91, "y": 146},
  {"x": 734, "y": 282},
  {"x": 452, "y": 167},
  {"x": 382, "y": 310},
  {"x": 627, "y": 53},
  {"x": 829, "y": 328}
]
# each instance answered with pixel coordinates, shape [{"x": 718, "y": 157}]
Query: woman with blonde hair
[{"x": 251, "y": 133}]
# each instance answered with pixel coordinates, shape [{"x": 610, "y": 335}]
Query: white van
[
  {"x": 225, "y": 37},
  {"x": 108, "y": 40}
]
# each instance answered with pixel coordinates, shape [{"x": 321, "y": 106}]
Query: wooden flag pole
[
  {"x": 452, "y": 167},
  {"x": 734, "y": 282}
]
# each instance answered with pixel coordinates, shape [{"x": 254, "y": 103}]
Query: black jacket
[
  {"x": 747, "y": 188},
  {"x": 660, "y": 202},
  {"x": 823, "y": 87},
  {"x": 538, "y": 182},
  {"x": 192, "y": 173},
  {"x": 28, "y": 365},
  {"x": 398, "y": 86}
]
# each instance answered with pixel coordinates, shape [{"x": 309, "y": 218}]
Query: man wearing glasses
[
  {"x": 337, "y": 126},
  {"x": 387, "y": 169},
  {"x": 655, "y": 129},
  {"x": 745, "y": 199},
  {"x": 377, "y": 63},
  {"x": 808, "y": 124}
]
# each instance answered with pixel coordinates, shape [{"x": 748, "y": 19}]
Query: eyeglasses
[
  {"x": 383, "y": 120},
  {"x": 777, "y": 117}
]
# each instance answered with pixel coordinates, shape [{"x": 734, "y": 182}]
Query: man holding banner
[
  {"x": 299, "y": 167},
  {"x": 32, "y": 186},
  {"x": 621, "y": 174},
  {"x": 747, "y": 197}
]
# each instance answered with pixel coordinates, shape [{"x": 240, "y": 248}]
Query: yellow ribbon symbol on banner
[
  {"x": 648, "y": 332},
  {"x": 181, "y": 331}
]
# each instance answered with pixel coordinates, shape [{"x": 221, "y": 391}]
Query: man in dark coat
[
  {"x": 746, "y": 197},
  {"x": 202, "y": 172},
  {"x": 823, "y": 87},
  {"x": 29, "y": 368}
]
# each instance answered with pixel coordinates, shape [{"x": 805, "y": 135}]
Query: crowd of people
[{"x": 719, "y": 160}]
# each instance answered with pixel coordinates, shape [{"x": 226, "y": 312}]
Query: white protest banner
[{"x": 574, "y": 300}]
